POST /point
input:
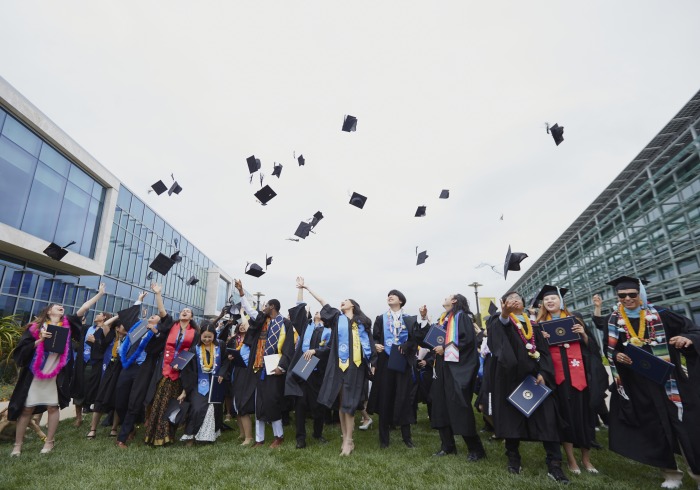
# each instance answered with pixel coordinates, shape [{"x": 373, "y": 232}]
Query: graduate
[
  {"x": 456, "y": 366},
  {"x": 575, "y": 364},
  {"x": 199, "y": 378},
  {"x": 111, "y": 367},
  {"x": 425, "y": 360},
  {"x": 313, "y": 341},
  {"x": 649, "y": 422},
  {"x": 351, "y": 358},
  {"x": 393, "y": 392},
  {"x": 518, "y": 350},
  {"x": 138, "y": 362},
  {"x": 241, "y": 385},
  {"x": 269, "y": 333},
  {"x": 44, "y": 378}
]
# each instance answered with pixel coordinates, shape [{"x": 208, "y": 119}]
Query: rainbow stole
[{"x": 450, "y": 325}]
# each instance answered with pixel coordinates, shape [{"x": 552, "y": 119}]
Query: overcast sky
[{"x": 449, "y": 95}]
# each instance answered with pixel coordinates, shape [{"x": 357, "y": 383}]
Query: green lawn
[{"x": 80, "y": 463}]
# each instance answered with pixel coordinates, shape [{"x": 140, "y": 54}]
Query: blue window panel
[
  {"x": 149, "y": 217},
  {"x": 43, "y": 291},
  {"x": 7, "y": 305},
  {"x": 136, "y": 208},
  {"x": 23, "y": 310},
  {"x": 80, "y": 179},
  {"x": 55, "y": 160},
  {"x": 71, "y": 222},
  {"x": 22, "y": 136},
  {"x": 29, "y": 283},
  {"x": 58, "y": 292},
  {"x": 44, "y": 204},
  {"x": 98, "y": 191},
  {"x": 2, "y": 118},
  {"x": 11, "y": 281},
  {"x": 17, "y": 169},
  {"x": 124, "y": 198},
  {"x": 159, "y": 226},
  {"x": 91, "y": 226}
]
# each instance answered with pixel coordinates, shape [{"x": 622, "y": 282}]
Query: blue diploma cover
[
  {"x": 648, "y": 365},
  {"x": 560, "y": 330},
  {"x": 529, "y": 395}
]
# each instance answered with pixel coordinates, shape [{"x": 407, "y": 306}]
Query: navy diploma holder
[
  {"x": 304, "y": 368},
  {"x": 216, "y": 390},
  {"x": 182, "y": 359},
  {"x": 560, "y": 330},
  {"x": 58, "y": 340},
  {"x": 529, "y": 395},
  {"x": 648, "y": 365},
  {"x": 397, "y": 361},
  {"x": 435, "y": 336},
  {"x": 237, "y": 357}
]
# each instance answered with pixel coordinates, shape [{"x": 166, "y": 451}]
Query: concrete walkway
[{"x": 66, "y": 413}]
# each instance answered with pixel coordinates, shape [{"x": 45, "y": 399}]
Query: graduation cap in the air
[
  {"x": 265, "y": 194},
  {"x": 512, "y": 262},
  {"x": 162, "y": 264},
  {"x": 445, "y": 194},
  {"x": 254, "y": 270},
  {"x": 420, "y": 212},
  {"x": 547, "y": 290},
  {"x": 253, "y": 164},
  {"x": 174, "y": 189},
  {"x": 277, "y": 170},
  {"x": 557, "y": 133},
  {"x": 358, "y": 200},
  {"x": 268, "y": 261},
  {"x": 301, "y": 160},
  {"x": 493, "y": 309},
  {"x": 318, "y": 216},
  {"x": 159, "y": 188},
  {"x": 349, "y": 124},
  {"x": 176, "y": 257},
  {"x": 303, "y": 229},
  {"x": 421, "y": 257},
  {"x": 56, "y": 252},
  {"x": 192, "y": 281}
]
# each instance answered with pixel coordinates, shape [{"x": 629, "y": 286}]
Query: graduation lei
[
  {"x": 527, "y": 335},
  {"x": 41, "y": 356}
]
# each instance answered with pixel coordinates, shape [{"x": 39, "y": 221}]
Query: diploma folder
[
  {"x": 529, "y": 395},
  {"x": 304, "y": 368},
  {"x": 397, "y": 361},
  {"x": 182, "y": 359},
  {"x": 435, "y": 336},
  {"x": 271, "y": 362},
  {"x": 216, "y": 391},
  {"x": 137, "y": 334},
  {"x": 648, "y": 365},
  {"x": 560, "y": 330},
  {"x": 237, "y": 357},
  {"x": 58, "y": 340}
]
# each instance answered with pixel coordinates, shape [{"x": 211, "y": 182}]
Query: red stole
[
  {"x": 169, "y": 355},
  {"x": 573, "y": 354}
]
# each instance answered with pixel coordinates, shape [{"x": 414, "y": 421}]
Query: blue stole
[
  {"x": 344, "y": 333},
  {"x": 245, "y": 354},
  {"x": 273, "y": 335},
  {"x": 136, "y": 356},
  {"x": 87, "y": 347},
  {"x": 325, "y": 336},
  {"x": 306, "y": 341},
  {"x": 203, "y": 379},
  {"x": 390, "y": 328}
]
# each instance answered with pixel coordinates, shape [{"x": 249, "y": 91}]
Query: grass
[{"x": 80, "y": 463}]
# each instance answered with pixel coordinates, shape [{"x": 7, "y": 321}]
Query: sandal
[
  {"x": 45, "y": 449},
  {"x": 94, "y": 434},
  {"x": 113, "y": 433},
  {"x": 16, "y": 450}
]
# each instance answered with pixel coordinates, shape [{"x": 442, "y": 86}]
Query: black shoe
[
  {"x": 442, "y": 452},
  {"x": 409, "y": 444},
  {"x": 514, "y": 463},
  {"x": 476, "y": 456},
  {"x": 555, "y": 472},
  {"x": 301, "y": 444},
  {"x": 321, "y": 440}
]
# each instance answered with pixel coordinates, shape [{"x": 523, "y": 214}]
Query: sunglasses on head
[{"x": 627, "y": 295}]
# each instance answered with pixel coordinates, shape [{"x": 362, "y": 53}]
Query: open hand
[{"x": 679, "y": 342}]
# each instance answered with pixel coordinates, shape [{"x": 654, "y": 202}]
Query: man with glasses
[{"x": 652, "y": 420}]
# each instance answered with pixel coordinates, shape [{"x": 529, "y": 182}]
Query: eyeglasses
[{"x": 627, "y": 295}]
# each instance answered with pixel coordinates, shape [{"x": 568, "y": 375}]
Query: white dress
[{"x": 44, "y": 391}]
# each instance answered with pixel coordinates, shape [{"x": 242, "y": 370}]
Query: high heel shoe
[
  {"x": 16, "y": 451},
  {"x": 366, "y": 424},
  {"x": 46, "y": 450}
]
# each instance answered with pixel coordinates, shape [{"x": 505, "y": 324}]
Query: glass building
[
  {"x": 646, "y": 224},
  {"x": 51, "y": 190}
]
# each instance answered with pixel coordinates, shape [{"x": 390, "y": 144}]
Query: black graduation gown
[
  {"x": 23, "y": 355},
  {"x": 393, "y": 393},
  {"x": 199, "y": 404},
  {"x": 453, "y": 383},
  {"x": 83, "y": 386},
  {"x": 106, "y": 392},
  {"x": 268, "y": 389},
  {"x": 646, "y": 428},
  {"x": 509, "y": 365},
  {"x": 352, "y": 380},
  {"x": 243, "y": 386},
  {"x": 309, "y": 389}
]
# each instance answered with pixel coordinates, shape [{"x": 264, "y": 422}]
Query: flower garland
[
  {"x": 39, "y": 360},
  {"x": 637, "y": 338},
  {"x": 526, "y": 335},
  {"x": 207, "y": 366}
]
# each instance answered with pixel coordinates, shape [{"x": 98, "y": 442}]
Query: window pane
[
  {"x": 71, "y": 222},
  {"x": 24, "y": 310},
  {"x": 43, "y": 291},
  {"x": 81, "y": 179},
  {"x": 7, "y": 305},
  {"x": 11, "y": 281},
  {"x": 29, "y": 284},
  {"x": 44, "y": 203},
  {"x": 17, "y": 170},
  {"x": 55, "y": 160},
  {"x": 136, "y": 208},
  {"x": 22, "y": 136},
  {"x": 90, "y": 235}
]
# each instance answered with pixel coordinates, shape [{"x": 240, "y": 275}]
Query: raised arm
[
  {"x": 300, "y": 290},
  {"x": 301, "y": 285},
  {"x": 88, "y": 304},
  {"x": 158, "y": 290},
  {"x": 253, "y": 314}
]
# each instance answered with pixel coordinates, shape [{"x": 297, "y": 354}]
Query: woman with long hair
[
  {"x": 351, "y": 360},
  {"x": 243, "y": 402},
  {"x": 45, "y": 377}
]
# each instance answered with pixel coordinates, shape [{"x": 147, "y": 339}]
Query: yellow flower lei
[
  {"x": 207, "y": 366},
  {"x": 527, "y": 332},
  {"x": 637, "y": 338}
]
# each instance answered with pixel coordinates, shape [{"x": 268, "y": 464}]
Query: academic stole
[
  {"x": 660, "y": 350},
  {"x": 451, "y": 345},
  {"x": 393, "y": 333},
  {"x": 575, "y": 360},
  {"x": 260, "y": 348},
  {"x": 209, "y": 360},
  {"x": 173, "y": 346},
  {"x": 360, "y": 343}
]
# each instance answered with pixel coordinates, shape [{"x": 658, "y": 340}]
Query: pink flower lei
[{"x": 39, "y": 356}]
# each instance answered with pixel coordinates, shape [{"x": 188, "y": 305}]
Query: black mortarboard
[
  {"x": 176, "y": 258},
  {"x": 445, "y": 194},
  {"x": 421, "y": 257},
  {"x": 277, "y": 170},
  {"x": 192, "y": 281},
  {"x": 268, "y": 261},
  {"x": 57, "y": 252},
  {"x": 512, "y": 262},
  {"x": 162, "y": 264},
  {"x": 176, "y": 411},
  {"x": 159, "y": 187},
  {"x": 318, "y": 216},
  {"x": 303, "y": 230},
  {"x": 174, "y": 189},
  {"x": 253, "y": 164},
  {"x": 493, "y": 309},
  {"x": 265, "y": 194},
  {"x": 626, "y": 282},
  {"x": 301, "y": 160},
  {"x": 358, "y": 200},
  {"x": 254, "y": 270},
  {"x": 547, "y": 290},
  {"x": 149, "y": 276},
  {"x": 557, "y": 133},
  {"x": 129, "y": 316},
  {"x": 349, "y": 124},
  {"x": 420, "y": 212}
]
